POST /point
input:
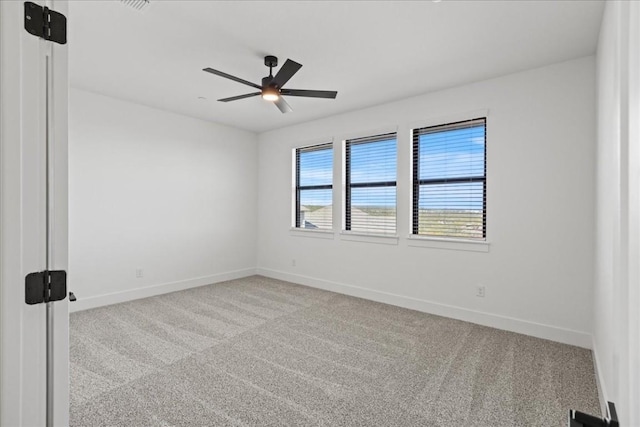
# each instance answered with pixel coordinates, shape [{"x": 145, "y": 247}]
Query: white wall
[
  {"x": 617, "y": 293},
  {"x": 168, "y": 194},
  {"x": 538, "y": 272}
]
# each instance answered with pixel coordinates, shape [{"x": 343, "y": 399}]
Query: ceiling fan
[{"x": 271, "y": 89}]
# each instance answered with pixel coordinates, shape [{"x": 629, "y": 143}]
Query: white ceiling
[{"x": 370, "y": 52}]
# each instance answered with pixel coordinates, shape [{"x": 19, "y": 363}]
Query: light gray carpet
[{"x": 262, "y": 352}]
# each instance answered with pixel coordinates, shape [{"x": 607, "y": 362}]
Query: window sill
[
  {"x": 385, "y": 239},
  {"x": 317, "y": 234},
  {"x": 452, "y": 244}
]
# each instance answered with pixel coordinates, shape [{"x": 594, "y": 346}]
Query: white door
[{"x": 33, "y": 220}]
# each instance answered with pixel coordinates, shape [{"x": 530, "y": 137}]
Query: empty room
[{"x": 320, "y": 213}]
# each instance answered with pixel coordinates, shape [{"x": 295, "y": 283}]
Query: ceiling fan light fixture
[{"x": 270, "y": 94}]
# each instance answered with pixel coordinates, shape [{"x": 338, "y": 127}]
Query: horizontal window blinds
[
  {"x": 371, "y": 166},
  {"x": 314, "y": 189},
  {"x": 449, "y": 180}
]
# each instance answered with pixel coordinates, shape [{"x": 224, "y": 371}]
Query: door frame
[{"x": 33, "y": 233}]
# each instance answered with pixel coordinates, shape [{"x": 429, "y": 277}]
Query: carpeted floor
[{"x": 262, "y": 352}]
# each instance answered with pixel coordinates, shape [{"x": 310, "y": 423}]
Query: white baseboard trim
[
  {"x": 538, "y": 330},
  {"x": 149, "y": 291},
  {"x": 602, "y": 393}
]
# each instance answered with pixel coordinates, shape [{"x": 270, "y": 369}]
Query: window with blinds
[
  {"x": 449, "y": 180},
  {"x": 314, "y": 189},
  {"x": 371, "y": 165}
]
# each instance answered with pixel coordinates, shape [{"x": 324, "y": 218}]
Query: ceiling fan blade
[
  {"x": 310, "y": 93},
  {"x": 230, "y": 77},
  {"x": 286, "y": 72},
  {"x": 235, "y": 98},
  {"x": 282, "y": 105}
]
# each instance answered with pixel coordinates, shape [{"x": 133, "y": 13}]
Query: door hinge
[
  {"x": 45, "y": 23},
  {"x": 45, "y": 286}
]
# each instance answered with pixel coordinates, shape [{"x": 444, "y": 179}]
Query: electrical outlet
[
  {"x": 139, "y": 273},
  {"x": 480, "y": 291},
  {"x": 293, "y": 263}
]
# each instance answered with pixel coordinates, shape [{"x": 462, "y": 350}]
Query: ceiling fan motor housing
[{"x": 266, "y": 82}]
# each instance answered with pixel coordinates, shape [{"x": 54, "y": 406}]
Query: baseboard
[
  {"x": 149, "y": 291},
  {"x": 602, "y": 394},
  {"x": 539, "y": 330}
]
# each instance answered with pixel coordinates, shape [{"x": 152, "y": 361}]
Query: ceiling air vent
[{"x": 136, "y": 4}]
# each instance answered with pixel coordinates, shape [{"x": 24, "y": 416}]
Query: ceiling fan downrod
[{"x": 271, "y": 61}]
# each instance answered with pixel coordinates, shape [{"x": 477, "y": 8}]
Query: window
[
  {"x": 449, "y": 180},
  {"x": 371, "y": 165},
  {"x": 314, "y": 189}
]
